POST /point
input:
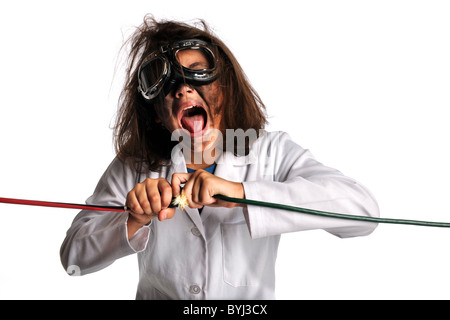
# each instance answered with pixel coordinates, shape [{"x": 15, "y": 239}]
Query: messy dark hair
[{"x": 137, "y": 132}]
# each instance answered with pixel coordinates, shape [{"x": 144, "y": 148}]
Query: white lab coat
[{"x": 222, "y": 253}]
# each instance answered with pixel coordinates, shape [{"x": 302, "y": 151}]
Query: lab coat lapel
[{"x": 231, "y": 167}]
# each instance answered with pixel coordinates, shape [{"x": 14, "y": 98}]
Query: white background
[{"x": 363, "y": 84}]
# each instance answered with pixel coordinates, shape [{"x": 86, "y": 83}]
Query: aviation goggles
[{"x": 187, "y": 61}]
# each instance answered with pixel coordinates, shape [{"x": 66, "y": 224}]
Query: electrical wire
[
  {"x": 62, "y": 205},
  {"x": 332, "y": 214},
  {"x": 235, "y": 200}
]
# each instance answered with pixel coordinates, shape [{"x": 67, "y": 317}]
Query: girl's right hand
[{"x": 147, "y": 200}]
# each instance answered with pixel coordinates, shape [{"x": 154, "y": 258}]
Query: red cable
[{"x": 63, "y": 205}]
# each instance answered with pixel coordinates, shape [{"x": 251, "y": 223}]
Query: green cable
[{"x": 332, "y": 214}]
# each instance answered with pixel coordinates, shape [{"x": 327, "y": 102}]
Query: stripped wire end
[{"x": 180, "y": 201}]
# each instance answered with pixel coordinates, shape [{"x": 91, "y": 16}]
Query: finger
[
  {"x": 191, "y": 189},
  {"x": 177, "y": 180},
  {"x": 144, "y": 200},
  {"x": 165, "y": 191},
  {"x": 196, "y": 189},
  {"x": 133, "y": 203},
  {"x": 154, "y": 198},
  {"x": 204, "y": 188}
]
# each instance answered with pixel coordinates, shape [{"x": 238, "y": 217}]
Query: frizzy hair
[{"x": 137, "y": 134}]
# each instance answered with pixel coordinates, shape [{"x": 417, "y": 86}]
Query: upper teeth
[{"x": 191, "y": 107}]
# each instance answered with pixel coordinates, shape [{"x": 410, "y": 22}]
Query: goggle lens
[
  {"x": 194, "y": 59},
  {"x": 152, "y": 75},
  {"x": 193, "y": 64}
]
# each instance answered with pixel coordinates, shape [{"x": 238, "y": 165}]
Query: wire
[
  {"x": 234, "y": 200},
  {"x": 63, "y": 205},
  {"x": 332, "y": 214}
]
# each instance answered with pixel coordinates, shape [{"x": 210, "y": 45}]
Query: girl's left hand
[{"x": 201, "y": 186}]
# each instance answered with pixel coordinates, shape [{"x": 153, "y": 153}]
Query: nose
[{"x": 182, "y": 90}]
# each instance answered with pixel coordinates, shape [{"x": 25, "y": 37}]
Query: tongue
[{"x": 193, "y": 124}]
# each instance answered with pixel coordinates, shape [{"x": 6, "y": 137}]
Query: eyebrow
[{"x": 199, "y": 63}]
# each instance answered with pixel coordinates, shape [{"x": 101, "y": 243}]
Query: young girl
[{"x": 190, "y": 123}]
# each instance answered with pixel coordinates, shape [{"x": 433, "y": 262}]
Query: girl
[{"x": 190, "y": 123}]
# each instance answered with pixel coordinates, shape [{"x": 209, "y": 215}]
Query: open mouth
[{"x": 193, "y": 118}]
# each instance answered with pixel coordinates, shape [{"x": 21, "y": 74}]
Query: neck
[
  {"x": 198, "y": 166},
  {"x": 197, "y": 161}
]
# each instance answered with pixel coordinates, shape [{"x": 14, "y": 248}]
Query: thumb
[
  {"x": 167, "y": 213},
  {"x": 177, "y": 180}
]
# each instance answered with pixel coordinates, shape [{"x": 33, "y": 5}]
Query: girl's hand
[
  {"x": 147, "y": 200},
  {"x": 201, "y": 186}
]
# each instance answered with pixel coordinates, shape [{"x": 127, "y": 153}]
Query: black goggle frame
[{"x": 173, "y": 72}]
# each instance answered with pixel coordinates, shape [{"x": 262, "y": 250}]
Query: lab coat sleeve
[
  {"x": 97, "y": 238},
  {"x": 291, "y": 175}
]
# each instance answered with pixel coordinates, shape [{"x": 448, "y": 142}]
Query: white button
[
  {"x": 196, "y": 232},
  {"x": 194, "y": 289}
]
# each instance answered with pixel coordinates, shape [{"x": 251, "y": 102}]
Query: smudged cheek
[{"x": 213, "y": 97}]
